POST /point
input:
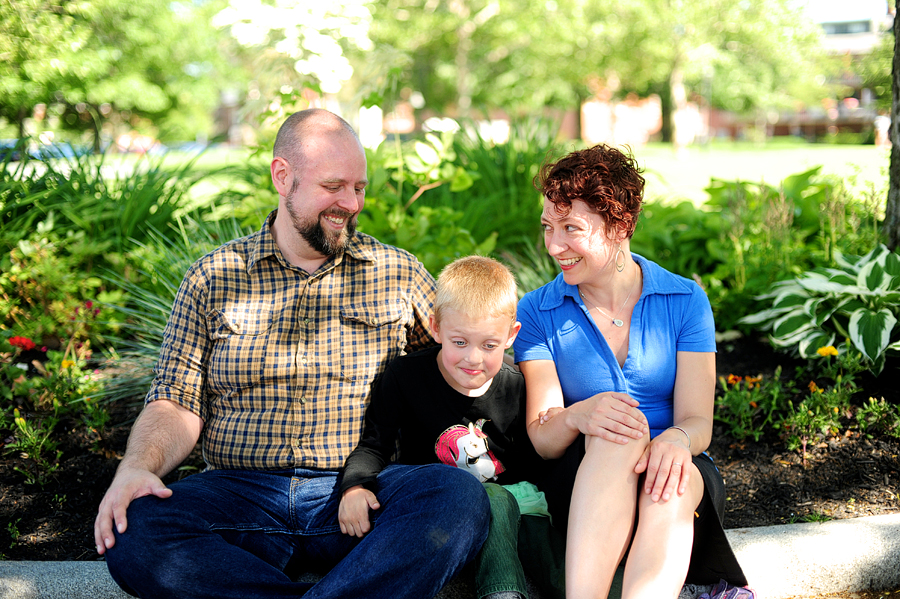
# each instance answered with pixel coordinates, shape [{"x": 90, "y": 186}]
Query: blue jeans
[{"x": 248, "y": 534}]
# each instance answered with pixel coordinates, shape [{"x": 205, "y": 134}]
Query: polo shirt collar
[
  {"x": 264, "y": 246},
  {"x": 656, "y": 281}
]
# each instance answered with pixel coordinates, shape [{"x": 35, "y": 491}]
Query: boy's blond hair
[{"x": 477, "y": 287}]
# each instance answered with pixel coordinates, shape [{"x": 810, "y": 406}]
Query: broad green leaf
[
  {"x": 435, "y": 142},
  {"x": 816, "y": 339},
  {"x": 843, "y": 278},
  {"x": 872, "y": 276},
  {"x": 761, "y": 317},
  {"x": 789, "y": 299},
  {"x": 461, "y": 180},
  {"x": 870, "y": 331},
  {"x": 427, "y": 154},
  {"x": 892, "y": 264},
  {"x": 822, "y": 285},
  {"x": 791, "y": 323}
]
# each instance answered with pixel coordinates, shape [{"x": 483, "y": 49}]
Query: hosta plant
[{"x": 859, "y": 301}]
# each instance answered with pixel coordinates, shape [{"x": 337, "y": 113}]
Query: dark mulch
[{"x": 845, "y": 477}]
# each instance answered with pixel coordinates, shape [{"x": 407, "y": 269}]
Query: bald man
[{"x": 268, "y": 357}]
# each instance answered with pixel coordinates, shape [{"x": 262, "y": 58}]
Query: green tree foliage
[
  {"x": 37, "y": 42},
  {"x": 111, "y": 61},
  {"x": 525, "y": 56}
]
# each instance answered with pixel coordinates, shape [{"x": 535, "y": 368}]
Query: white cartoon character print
[{"x": 466, "y": 447}]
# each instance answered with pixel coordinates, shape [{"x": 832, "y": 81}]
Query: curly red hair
[{"x": 606, "y": 179}]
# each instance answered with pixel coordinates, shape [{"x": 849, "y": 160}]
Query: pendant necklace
[{"x": 615, "y": 320}]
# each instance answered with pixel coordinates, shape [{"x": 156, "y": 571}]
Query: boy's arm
[
  {"x": 379, "y": 436},
  {"x": 353, "y": 513}
]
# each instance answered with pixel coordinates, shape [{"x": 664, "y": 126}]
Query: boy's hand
[
  {"x": 546, "y": 415},
  {"x": 353, "y": 513}
]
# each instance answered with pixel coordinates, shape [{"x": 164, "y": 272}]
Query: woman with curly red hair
[{"x": 619, "y": 361}]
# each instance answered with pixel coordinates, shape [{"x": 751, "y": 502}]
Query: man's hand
[
  {"x": 128, "y": 485},
  {"x": 353, "y": 513}
]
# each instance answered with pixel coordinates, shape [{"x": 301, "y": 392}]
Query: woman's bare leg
[
  {"x": 601, "y": 516},
  {"x": 661, "y": 551}
]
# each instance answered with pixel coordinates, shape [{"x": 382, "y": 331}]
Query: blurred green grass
[{"x": 672, "y": 177}]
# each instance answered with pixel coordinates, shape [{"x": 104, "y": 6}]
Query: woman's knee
[{"x": 612, "y": 453}]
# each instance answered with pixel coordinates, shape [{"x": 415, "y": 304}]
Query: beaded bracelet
[{"x": 685, "y": 434}]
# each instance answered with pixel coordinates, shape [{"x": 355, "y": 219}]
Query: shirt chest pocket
[
  {"x": 240, "y": 339},
  {"x": 372, "y": 334}
]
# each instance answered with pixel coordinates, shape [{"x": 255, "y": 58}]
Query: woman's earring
[{"x": 620, "y": 266}]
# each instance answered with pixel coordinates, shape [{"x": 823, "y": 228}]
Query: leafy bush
[
  {"x": 400, "y": 177},
  {"x": 101, "y": 205},
  {"x": 859, "y": 300},
  {"x": 40, "y": 389},
  {"x": 766, "y": 234},
  {"x": 681, "y": 238},
  {"x": 749, "y": 405}
]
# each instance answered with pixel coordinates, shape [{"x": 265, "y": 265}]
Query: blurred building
[{"x": 851, "y": 31}]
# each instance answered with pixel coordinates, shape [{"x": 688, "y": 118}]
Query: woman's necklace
[{"x": 615, "y": 320}]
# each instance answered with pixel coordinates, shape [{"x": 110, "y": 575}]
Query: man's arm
[{"x": 162, "y": 437}]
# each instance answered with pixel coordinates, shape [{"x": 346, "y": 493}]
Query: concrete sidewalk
[{"x": 794, "y": 560}]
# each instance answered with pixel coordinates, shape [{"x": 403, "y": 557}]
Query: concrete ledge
[
  {"x": 781, "y": 562},
  {"x": 803, "y": 560}
]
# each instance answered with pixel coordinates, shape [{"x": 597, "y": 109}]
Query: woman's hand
[
  {"x": 667, "y": 463},
  {"x": 610, "y": 415}
]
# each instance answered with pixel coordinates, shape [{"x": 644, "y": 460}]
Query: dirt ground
[{"x": 845, "y": 477}]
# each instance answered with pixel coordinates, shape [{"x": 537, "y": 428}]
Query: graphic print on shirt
[{"x": 466, "y": 447}]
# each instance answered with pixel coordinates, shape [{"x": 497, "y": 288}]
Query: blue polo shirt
[{"x": 673, "y": 314}]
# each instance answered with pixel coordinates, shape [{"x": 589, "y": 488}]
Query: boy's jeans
[
  {"x": 246, "y": 534},
  {"x": 497, "y": 566}
]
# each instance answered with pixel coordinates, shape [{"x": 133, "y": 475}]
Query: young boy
[{"x": 458, "y": 404}]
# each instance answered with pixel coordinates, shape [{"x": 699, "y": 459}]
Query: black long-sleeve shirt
[{"x": 413, "y": 403}]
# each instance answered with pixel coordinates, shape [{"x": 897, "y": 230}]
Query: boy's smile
[{"x": 471, "y": 349}]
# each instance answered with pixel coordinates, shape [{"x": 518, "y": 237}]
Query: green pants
[{"x": 497, "y": 566}]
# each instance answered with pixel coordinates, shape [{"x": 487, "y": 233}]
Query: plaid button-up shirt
[{"x": 278, "y": 362}]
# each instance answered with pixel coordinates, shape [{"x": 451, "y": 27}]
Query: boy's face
[{"x": 471, "y": 349}]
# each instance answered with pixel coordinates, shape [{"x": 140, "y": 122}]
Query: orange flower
[
  {"x": 752, "y": 381},
  {"x": 734, "y": 379},
  {"x": 812, "y": 386},
  {"x": 828, "y": 350}
]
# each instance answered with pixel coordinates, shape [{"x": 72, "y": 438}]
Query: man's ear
[
  {"x": 513, "y": 331},
  {"x": 282, "y": 175},
  {"x": 433, "y": 325}
]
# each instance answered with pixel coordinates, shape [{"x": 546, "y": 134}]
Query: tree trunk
[
  {"x": 892, "y": 211},
  {"x": 665, "y": 106}
]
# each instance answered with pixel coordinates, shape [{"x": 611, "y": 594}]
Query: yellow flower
[
  {"x": 67, "y": 363},
  {"x": 828, "y": 350}
]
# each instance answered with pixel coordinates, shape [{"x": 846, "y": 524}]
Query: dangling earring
[{"x": 620, "y": 267}]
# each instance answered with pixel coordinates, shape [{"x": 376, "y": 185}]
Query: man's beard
[{"x": 312, "y": 231}]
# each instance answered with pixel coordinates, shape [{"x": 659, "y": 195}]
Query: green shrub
[
  {"x": 750, "y": 405},
  {"x": 103, "y": 204},
  {"x": 769, "y": 234},
  {"x": 859, "y": 301}
]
